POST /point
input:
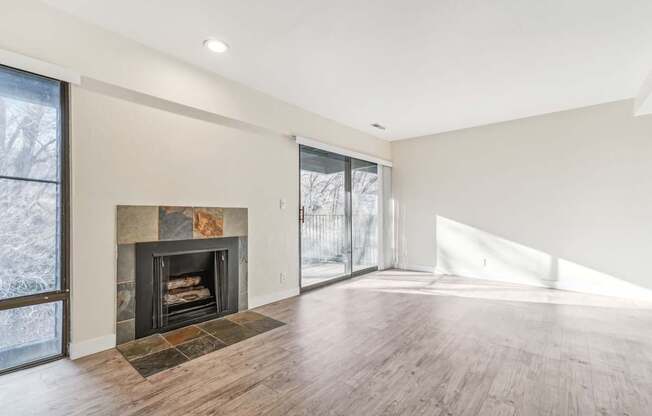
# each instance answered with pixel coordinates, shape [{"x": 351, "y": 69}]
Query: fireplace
[
  {"x": 179, "y": 283},
  {"x": 188, "y": 286}
]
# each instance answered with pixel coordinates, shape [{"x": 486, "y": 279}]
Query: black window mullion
[
  {"x": 37, "y": 299},
  {"x": 64, "y": 212},
  {"x": 18, "y": 178},
  {"x": 348, "y": 212}
]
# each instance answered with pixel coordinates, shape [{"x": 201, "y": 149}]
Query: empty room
[{"x": 273, "y": 208}]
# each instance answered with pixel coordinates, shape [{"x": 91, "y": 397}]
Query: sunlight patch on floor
[{"x": 417, "y": 283}]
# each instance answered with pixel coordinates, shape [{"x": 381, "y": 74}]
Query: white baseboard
[
  {"x": 387, "y": 267},
  {"x": 417, "y": 268},
  {"x": 91, "y": 346},
  {"x": 256, "y": 301},
  {"x": 582, "y": 283},
  {"x": 622, "y": 291}
]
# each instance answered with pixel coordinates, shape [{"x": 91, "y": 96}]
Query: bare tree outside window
[
  {"x": 30, "y": 212},
  {"x": 328, "y": 247},
  {"x": 364, "y": 214},
  {"x": 28, "y": 241}
]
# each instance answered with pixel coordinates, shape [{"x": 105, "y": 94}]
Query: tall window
[{"x": 33, "y": 295}]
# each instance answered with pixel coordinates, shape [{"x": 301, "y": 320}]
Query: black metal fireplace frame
[{"x": 146, "y": 253}]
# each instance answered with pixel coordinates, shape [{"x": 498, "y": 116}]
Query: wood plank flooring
[{"x": 391, "y": 343}]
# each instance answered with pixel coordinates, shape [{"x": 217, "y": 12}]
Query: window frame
[{"x": 63, "y": 293}]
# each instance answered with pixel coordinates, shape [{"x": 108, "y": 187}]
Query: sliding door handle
[{"x": 302, "y": 214}]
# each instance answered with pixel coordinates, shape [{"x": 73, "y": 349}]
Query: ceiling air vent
[{"x": 378, "y": 126}]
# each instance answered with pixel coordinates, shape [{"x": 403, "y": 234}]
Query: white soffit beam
[
  {"x": 643, "y": 103},
  {"x": 36, "y": 66},
  {"x": 340, "y": 150}
]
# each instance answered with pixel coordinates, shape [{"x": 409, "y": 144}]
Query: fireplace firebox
[{"x": 179, "y": 283}]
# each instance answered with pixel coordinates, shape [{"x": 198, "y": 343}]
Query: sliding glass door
[
  {"x": 325, "y": 248},
  {"x": 338, "y": 216},
  {"x": 364, "y": 214},
  {"x": 33, "y": 292}
]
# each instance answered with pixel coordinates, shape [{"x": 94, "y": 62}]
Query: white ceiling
[{"x": 415, "y": 66}]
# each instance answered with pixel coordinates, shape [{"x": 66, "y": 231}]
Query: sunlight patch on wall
[{"x": 468, "y": 251}]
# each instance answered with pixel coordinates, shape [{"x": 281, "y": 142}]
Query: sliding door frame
[
  {"x": 348, "y": 218},
  {"x": 63, "y": 293}
]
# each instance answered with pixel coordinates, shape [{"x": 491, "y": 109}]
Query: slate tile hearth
[
  {"x": 142, "y": 347},
  {"x": 218, "y": 325},
  {"x": 246, "y": 316},
  {"x": 200, "y": 346},
  {"x": 159, "y": 352},
  {"x": 233, "y": 335},
  {"x": 263, "y": 325},
  {"x": 154, "y": 363},
  {"x": 181, "y": 335},
  {"x": 256, "y": 322}
]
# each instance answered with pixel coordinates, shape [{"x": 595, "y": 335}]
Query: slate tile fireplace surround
[{"x": 178, "y": 266}]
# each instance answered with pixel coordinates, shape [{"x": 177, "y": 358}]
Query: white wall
[
  {"x": 148, "y": 129},
  {"x": 561, "y": 200},
  {"x": 124, "y": 153}
]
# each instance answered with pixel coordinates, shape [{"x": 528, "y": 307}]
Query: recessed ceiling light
[
  {"x": 378, "y": 126},
  {"x": 215, "y": 45}
]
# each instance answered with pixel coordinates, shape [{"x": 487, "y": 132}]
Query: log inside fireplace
[{"x": 185, "y": 289}]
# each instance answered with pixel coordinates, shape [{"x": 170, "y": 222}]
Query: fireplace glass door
[
  {"x": 184, "y": 282},
  {"x": 188, "y": 287}
]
